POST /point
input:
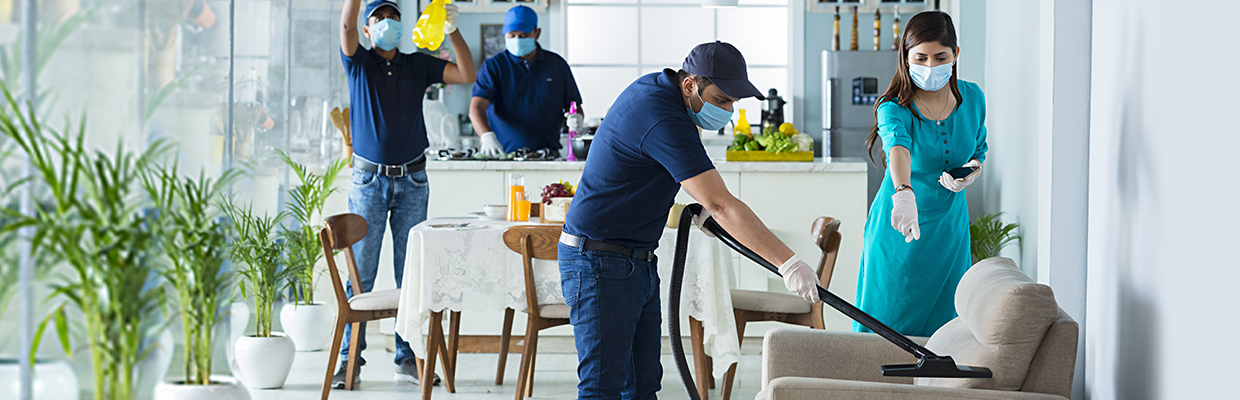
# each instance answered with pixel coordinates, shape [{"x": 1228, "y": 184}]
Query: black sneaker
[
  {"x": 408, "y": 372},
  {"x": 338, "y": 379}
]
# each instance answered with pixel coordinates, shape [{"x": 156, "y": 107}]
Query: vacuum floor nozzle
[{"x": 936, "y": 367}]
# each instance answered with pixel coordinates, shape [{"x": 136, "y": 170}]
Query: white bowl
[{"x": 495, "y": 210}]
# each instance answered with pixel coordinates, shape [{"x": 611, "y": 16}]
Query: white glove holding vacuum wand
[
  {"x": 490, "y": 145},
  {"x": 904, "y": 215},
  {"x": 800, "y": 278}
]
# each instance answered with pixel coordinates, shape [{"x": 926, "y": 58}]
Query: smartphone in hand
[{"x": 962, "y": 172}]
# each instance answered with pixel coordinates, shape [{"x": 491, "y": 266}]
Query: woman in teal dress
[{"x": 917, "y": 236}]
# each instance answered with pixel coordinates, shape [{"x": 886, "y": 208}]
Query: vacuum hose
[{"x": 928, "y": 365}]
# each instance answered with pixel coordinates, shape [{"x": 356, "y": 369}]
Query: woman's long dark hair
[{"x": 929, "y": 26}]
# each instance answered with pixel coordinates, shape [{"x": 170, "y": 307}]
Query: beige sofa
[{"x": 1007, "y": 323}]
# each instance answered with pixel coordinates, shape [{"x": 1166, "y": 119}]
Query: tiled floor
[{"x": 555, "y": 376}]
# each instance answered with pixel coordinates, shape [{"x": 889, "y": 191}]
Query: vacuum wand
[{"x": 929, "y": 364}]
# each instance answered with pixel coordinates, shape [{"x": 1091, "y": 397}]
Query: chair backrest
[
  {"x": 533, "y": 242},
  {"x": 826, "y": 235},
  {"x": 340, "y": 232}
]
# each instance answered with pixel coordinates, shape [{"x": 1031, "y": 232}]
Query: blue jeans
[
  {"x": 380, "y": 200},
  {"x": 614, "y": 308}
]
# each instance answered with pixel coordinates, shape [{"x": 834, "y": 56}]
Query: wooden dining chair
[
  {"x": 754, "y": 306},
  {"x": 532, "y": 242},
  {"x": 339, "y": 233}
]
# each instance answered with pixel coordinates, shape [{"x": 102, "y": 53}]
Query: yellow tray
[{"x": 763, "y": 155}]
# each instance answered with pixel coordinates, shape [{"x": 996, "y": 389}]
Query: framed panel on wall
[{"x": 492, "y": 40}]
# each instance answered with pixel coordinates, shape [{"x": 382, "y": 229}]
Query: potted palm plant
[
  {"x": 988, "y": 235},
  {"x": 265, "y": 358},
  {"x": 91, "y": 221},
  {"x": 195, "y": 241},
  {"x": 306, "y": 321}
]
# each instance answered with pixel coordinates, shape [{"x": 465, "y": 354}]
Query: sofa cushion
[{"x": 1003, "y": 318}]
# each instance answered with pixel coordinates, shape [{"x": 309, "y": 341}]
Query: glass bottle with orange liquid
[{"x": 516, "y": 192}]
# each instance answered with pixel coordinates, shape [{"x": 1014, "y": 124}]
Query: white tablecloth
[{"x": 470, "y": 269}]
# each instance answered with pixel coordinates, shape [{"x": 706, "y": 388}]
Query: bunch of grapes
[{"x": 558, "y": 189}]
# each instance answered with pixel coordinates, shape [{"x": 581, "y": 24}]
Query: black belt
[
  {"x": 591, "y": 244},
  {"x": 394, "y": 171}
]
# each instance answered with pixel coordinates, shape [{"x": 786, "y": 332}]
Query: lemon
[{"x": 787, "y": 129}]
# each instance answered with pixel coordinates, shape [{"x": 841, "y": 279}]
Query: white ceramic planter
[
  {"x": 264, "y": 363},
  {"x": 221, "y": 388},
  {"x": 238, "y": 320},
  {"x": 52, "y": 380},
  {"x": 309, "y": 325}
]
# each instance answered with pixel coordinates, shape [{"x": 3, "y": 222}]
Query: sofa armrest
[
  {"x": 814, "y": 353},
  {"x": 790, "y": 388}
]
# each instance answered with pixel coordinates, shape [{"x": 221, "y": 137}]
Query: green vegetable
[
  {"x": 770, "y": 130},
  {"x": 480, "y": 157},
  {"x": 752, "y": 146}
]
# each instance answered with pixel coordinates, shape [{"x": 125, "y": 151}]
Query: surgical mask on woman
[
  {"x": 930, "y": 79},
  {"x": 386, "y": 33},
  {"x": 711, "y": 118},
  {"x": 519, "y": 46}
]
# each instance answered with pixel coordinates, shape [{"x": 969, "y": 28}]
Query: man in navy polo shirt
[
  {"x": 644, "y": 152},
  {"x": 522, "y": 93},
  {"x": 389, "y": 137}
]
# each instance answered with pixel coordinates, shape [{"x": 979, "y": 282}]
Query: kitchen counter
[{"x": 818, "y": 165}]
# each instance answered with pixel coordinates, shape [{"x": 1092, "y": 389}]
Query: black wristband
[{"x": 903, "y": 186}]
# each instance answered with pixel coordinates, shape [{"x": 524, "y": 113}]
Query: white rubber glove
[
  {"x": 700, "y": 220},
  {"x": 490, "y": 145},
  {"x": 800, "y": 278},
  {"x": 904, "y": 215},
  {"x": 956, "y": 185},
  {"x": 449, "y": 22}
]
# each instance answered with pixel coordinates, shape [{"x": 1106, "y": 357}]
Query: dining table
[{"x": 461, "y": 264}]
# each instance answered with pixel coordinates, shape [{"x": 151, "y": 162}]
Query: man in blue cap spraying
[
  {"x": 389, "y": 138},
  {"x": 522, "y": 93},
  {"x": 645, "y": 151}
]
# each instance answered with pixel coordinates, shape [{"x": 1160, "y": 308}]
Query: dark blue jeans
[
  {"x": 614, "y": 303},
  {"x": 380, "y": 200}
]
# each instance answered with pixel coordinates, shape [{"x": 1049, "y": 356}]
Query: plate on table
[{"x": 483, "y": 215}]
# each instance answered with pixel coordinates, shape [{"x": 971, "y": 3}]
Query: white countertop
[{"x": 851, "y": 164}]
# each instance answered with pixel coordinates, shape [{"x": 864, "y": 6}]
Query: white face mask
[{"x": 931, "y": 79}]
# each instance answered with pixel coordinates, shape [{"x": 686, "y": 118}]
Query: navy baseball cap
[
  {"x": 375, "y": 5},
  {"x": 520, "y": 18},
  {"x": 724, "y": 65}
]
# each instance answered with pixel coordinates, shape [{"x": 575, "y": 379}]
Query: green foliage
[
  {"x": 195, "y": 239},
  {"x": 989, "y": 235},
  {"x": 92, "y": 220},
  {"x": 306, "y": 201},
  {"x": 256, "y": 245}
]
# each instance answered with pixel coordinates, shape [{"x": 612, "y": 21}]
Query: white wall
[{"x": 1162, "y": 273}]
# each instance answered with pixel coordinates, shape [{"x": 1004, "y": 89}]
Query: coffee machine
[{"x": 773, "y": 109}]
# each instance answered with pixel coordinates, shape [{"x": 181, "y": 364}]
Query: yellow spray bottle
[{"x": 428, "y": 31}]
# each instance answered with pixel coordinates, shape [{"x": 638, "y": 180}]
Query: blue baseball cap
[
  {"x": 724, "y": 65},
  {"x": 375, "y": 5},
  {"x": 520, "y": 18}
]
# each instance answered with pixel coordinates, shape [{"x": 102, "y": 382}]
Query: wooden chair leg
[
  {"x": 529, "y": 380},
  {"x": 728, "y": 377},
  {"x": 523, "y": 374},
  {"x": 454, "y": 341},
  {"x": 331, "y": 357},
  {"x": 710, "y": 369},
  {"x": 428, "y": 367},
  {"x": 505, "y": 337},
  {"x": 699, "y": 356},
  {"x": 355, "y": 341}
]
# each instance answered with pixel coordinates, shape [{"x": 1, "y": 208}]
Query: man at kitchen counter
[
  {"x": 644, "y": 152},
  {"x": 522, "y": 93},
  {"x": 389, "y": 138}
]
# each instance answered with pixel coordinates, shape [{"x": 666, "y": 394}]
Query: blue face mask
[
  {"x": 711, "y": 118},
  {"x": 519, "y": 47},
  {"x": 930, "y": 79},
  {"x": 386, "y": 33}
]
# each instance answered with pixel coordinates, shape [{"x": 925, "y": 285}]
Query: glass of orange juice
[{"x": 523, "y": 210}]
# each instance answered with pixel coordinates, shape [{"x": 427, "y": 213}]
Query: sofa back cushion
[{"x": 1003, "y": 317}]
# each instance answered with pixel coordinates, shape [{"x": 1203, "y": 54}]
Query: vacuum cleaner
[{"x": 929, "y": 365}]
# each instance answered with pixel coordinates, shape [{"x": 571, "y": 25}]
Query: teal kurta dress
[{"x": 911, "y": 286}]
